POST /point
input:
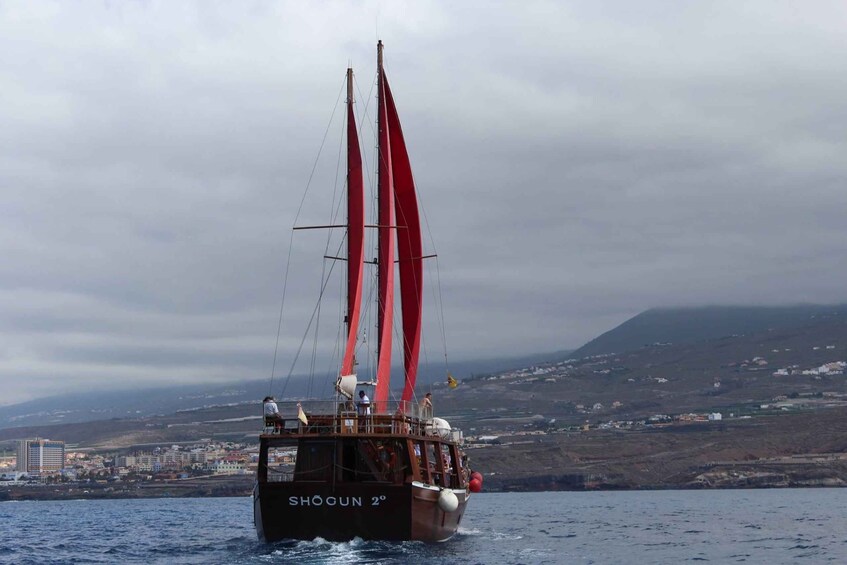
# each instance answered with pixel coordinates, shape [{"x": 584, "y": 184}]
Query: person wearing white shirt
[
  {"x": 272, "y": 415},
  {"x": 364, "y": 404}
]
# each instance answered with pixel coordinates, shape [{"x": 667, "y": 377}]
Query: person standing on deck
[
  {"x": 363, "y": 407},
  {"x": 364, "y": 404},
  {"x": 426, "y": 405}
]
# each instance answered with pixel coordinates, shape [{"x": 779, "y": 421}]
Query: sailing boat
[{"x": 387, "y": 470}]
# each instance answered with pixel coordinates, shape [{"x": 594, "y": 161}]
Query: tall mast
[
  {"x": 379, "y": 176},
  {"x": 355, "y": 235},
  {"x": 385, "y": 256},
  {"x": 348, "y": 317}
]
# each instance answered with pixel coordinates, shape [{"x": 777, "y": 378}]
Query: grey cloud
[{"x": 579, "y": 162}]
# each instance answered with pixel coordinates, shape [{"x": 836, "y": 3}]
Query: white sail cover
[{"x": 346, "y": 385}]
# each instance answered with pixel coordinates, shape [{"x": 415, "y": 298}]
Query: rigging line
[
  {"x": 340, "y": 338},
  {"x": 418, "y": 288},
  {"x": 365, "y": 119},
  {"x": 281, "y": 304},
  {"x": 335, "y": 209},
  {"x": 291, "y": 239},
  {"x": 370, "y": 297},
  {"x": 323, "y": 141},
  {"x": 294, "y": 472},
  {"x": 424, "y": 345},
  {"x": 325, "y": 382},
  {"x": 369, "y": 352},
  {"x": 333, "y": 214},
  {"x": 440, "y": 300},
  {"x": 325, "y": 283},
  {"x": 441, "y": 320},
  {"x": 315, "y": 346},
  {"x": 441, "y": 306},
  {"x": 367, "y": 104},
  {"x": 399, "y": 338},
  {"x": 438, "y": 315},
  {"x": 425, "y": 361},
  {"x": 336, "y": 352},
  {"x": 306, "y": 333}
]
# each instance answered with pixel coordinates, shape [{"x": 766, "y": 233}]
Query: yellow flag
[
  {"x": 301, "y": 415},
  {"x": 451, "y": 382}
]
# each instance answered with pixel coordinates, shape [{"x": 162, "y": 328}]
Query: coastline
[
  {"x": 216, "y": 486},
  {"x": 242, "y": 486}
]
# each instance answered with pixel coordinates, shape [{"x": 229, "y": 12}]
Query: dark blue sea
[{"x": 753, "y": 526}]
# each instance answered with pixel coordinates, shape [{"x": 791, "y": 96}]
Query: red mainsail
[
  {"x": 385, "y": 259},
  {"x": 355, "y": 233},
  {"x": 409, "y": 246}
]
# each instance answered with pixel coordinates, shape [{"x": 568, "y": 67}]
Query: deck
[{"x": 328, "y": 418}]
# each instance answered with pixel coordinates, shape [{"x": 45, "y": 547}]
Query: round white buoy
[
  {"x": 438, "y": 427},
  {"x": 448, "y": 501}
]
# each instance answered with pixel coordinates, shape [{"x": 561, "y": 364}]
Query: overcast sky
[{"x": 578, "y": 162}]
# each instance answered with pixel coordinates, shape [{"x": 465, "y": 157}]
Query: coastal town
[
  {"x": 39, "y": 463},
  {"x": 582, "y": 411}
]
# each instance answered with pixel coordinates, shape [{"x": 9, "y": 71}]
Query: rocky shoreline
[
  {"x": 719, "y": 477},
  {"x": 227, "y": 485}
]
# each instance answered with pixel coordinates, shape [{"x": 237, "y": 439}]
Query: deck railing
[
  {"x": 277, "y": 475},
  {"x": 324, "y": 417}
]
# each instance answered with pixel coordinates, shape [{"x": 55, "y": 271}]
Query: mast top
[{"x": 379, "y": 55}]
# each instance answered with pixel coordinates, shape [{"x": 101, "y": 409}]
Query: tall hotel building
[{"x": 40, "y": 456}]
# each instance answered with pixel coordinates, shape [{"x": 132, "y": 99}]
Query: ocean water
[{"x": 753, "y": 526}]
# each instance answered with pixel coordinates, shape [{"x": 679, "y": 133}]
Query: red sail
[
  {"x": 386, "y": 255},
  {"x": 355, "y": 237},
  {"x": 409, "y": 247}
]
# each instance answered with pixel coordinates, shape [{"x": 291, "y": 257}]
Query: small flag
[
  {"x": 451, "y": 382},
  {"x": 301, "y": 415}
]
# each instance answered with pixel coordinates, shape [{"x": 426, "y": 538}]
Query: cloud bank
[{"x": 578, "y": 163}]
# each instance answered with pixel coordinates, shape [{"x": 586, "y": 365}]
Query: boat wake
[{"x": 356, "y": 550}]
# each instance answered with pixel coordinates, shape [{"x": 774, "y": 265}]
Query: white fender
[
  {"x": 448, "y": 501},
  {"x": 439, "y": 427}
]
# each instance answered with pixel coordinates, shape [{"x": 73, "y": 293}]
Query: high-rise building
[{"x": 39, "y": 456}]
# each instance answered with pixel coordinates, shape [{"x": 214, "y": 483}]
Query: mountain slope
[
  {"x": 690, "y": 325},
  {"x": 142, "y": 402}
]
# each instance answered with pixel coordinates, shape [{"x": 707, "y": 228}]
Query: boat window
[
  {"x": 420, "y": 452},
  {"x": 281, "y": 464},
  {"x": 451, "y": 477},
  {"x": 366, "y": 460},
  {"x": 435, "y": 465},
  {"x": 314, "y": 461}
]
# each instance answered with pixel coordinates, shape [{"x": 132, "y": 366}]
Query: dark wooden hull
[{"x": 369, "y": 511}]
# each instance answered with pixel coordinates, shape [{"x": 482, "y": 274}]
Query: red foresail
[
  {"x": 355, "y": 237},
  {"x": 386, "y": 255},
  {"x": 409, "y": 246}
]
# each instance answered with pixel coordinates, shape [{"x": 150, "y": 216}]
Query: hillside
[
  {"x": 723, "y": 374},
  {"x": 140, "y": 402},
  {"x": 690, "y": 325},
  {"x": 632, "y": 419}
]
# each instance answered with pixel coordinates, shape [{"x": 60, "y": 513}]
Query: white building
[
  {"x": 40, "y": 456},
  {"x": 223, "y": 467}
]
